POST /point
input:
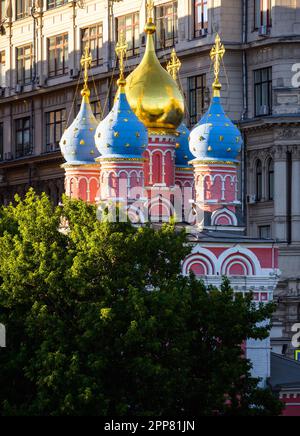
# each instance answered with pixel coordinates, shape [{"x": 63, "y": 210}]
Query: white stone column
[
  {"x": 280, "y": 193},
  {"x": 296, "y": 196}
]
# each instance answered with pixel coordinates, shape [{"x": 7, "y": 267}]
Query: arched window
[
  {"x": 271, "y": 179},
  {"x": 258, "y": 180}
]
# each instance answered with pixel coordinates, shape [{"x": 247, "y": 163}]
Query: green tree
[{"x": 100, "y": 321}]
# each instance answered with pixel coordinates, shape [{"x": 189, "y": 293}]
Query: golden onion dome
[{"x": 152, "y": 93}]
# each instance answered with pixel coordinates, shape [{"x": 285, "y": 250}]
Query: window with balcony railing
[
  {"x": 24, "y": 64},
  {"x": 129, "y": 26},
  {"x": 55, "y": 125},
  {"x": 166, "y": 25},
  {"x": 24, "y": 146},
  {"x": 92, "y": 37},
  {"x": 201, "y": 18}
]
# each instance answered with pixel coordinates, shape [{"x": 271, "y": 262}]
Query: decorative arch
[
  {"x": 239, "y": 256},
  {"x": 201, "y": 261},
  {"x": 219, "y": 216}
]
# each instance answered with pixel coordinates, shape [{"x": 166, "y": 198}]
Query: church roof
[
  {"x": 121, "y": 134},
  {"x": 183, "y": 154},
  {"x": 215, "y": 137},
  {"x": 77, "y": 143}
]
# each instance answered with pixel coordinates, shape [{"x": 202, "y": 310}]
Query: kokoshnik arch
[{"x": 143, "y": 155}]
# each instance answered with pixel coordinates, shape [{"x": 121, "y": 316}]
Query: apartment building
[{"x": 40, "y": 48}]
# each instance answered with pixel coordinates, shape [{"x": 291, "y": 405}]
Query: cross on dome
[
  {"x": 150, "y": 7},
  {"x": 86, "y": 62},
  {"x": 216, "y": 55},
  {"x": 121, "y": 49},
  {"x": 174, "y": 65}
]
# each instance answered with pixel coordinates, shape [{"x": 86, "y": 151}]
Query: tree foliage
[{"x": 100, "y": 321}]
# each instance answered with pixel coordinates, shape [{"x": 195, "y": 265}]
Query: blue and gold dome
[
  {"x": 182, "y": 153},
  {"x": 121, "y": 134},
  {"x": 77, "y": 143},
  {"x": 215, "y": 137}
]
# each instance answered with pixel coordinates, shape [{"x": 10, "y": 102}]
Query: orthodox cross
[
  {"x": 216, "y": 55},
  {"x": 174, "y": 65},
  {"x": 121, "y": 49},
  {"x": 86, "y": 62},
  {"x": 150, "y": 7}
]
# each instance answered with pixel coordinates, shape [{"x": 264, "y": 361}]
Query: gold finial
[
  {"x": 121, "y": 49},
  {"x": 86, "y": 62},
  {"x": 150, "y": 26},
  {"x": 174, "y": 65},
  {"x": 216, "y": 55}
]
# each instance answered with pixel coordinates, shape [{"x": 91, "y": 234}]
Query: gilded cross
[
  {"x": 216, "y": 55},
  {"x": 174, "y": 65},
  {"x": 150, "y": 7},
  {"x": 121, "y": 49},
  {"x": 86, "y": 62}
]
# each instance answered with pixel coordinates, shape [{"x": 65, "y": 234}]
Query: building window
[
  {"x": 1, "y": 142},
  {"x": 23, "y": 8},
  {"x": 23, "y": 137},
  {"x": 92, "y": 37},
  {"x": 51, "y": 4},
  {"x": 129, "y": 25},
  {"x": 271, "y": 179},
  {"x": 97, "y": 110},
  {"x": 2, "y": 10},
  {"x": 24, "y": 65},
  {"x": 263, "y": 91},
  {"x": 258, "y": 172},
  {"x": 55, "y": 124},
  {"x": 201, "y": 17},
  {"x": 167, "y": 25},
  {"x": 58, "y": 55},
  {"x": 264, "y": 232},
  {"x": 2, "y": 69},
  {"x": 263, "y": 13},
  {"x": 197, "y": 87}
]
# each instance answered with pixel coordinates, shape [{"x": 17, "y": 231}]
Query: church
[{"x": 143, "y": 158}]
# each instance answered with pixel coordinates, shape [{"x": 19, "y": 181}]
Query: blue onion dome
[
  {"x": 215, "y": 137},
  {"x": 77, "y": 143},
  {"x": 183, "y": 154},
  {"x": 121, "y": 134}
]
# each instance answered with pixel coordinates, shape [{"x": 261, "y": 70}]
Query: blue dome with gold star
[
  {"x": 215, "y": 137},
  {"x": 183, "y": 154},
  {"x": 121, "y": 134},
  {"x": 78, "y": 143}
]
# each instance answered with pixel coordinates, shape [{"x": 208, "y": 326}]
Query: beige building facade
[{"x": 40, "y": 48}]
